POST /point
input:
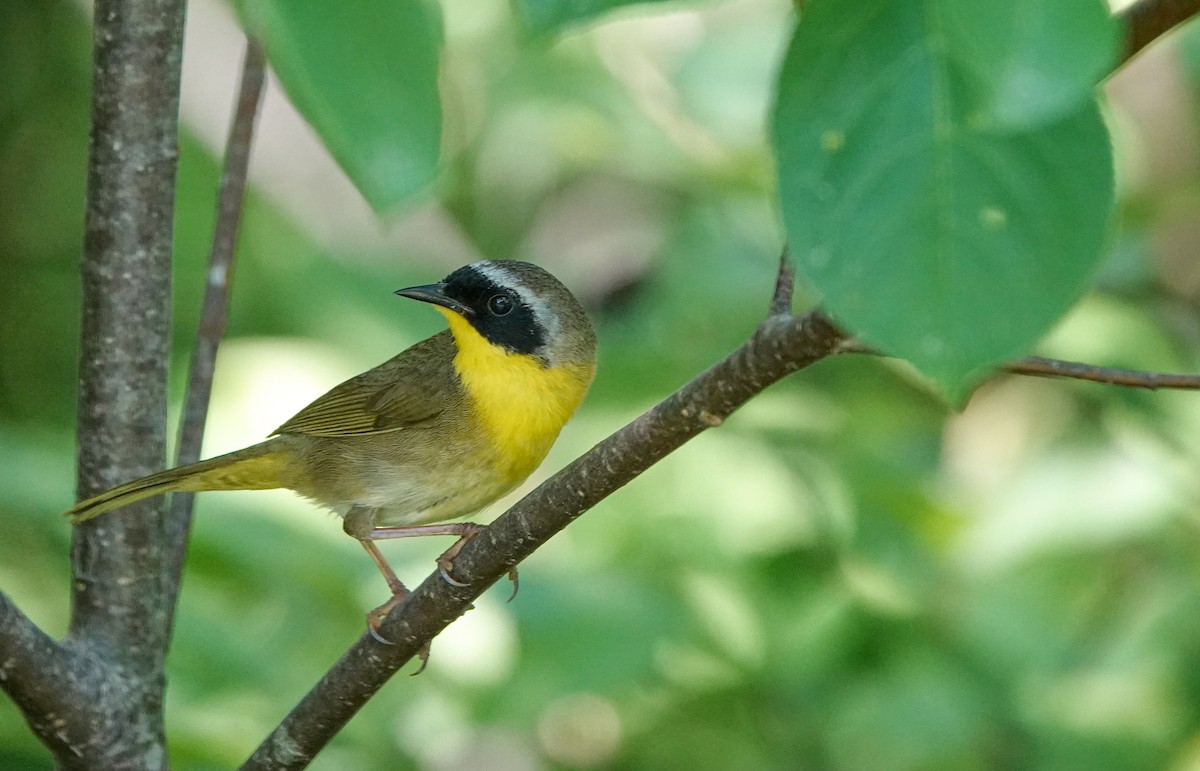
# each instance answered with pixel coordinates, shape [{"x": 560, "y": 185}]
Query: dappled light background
[{"x": 846, "y": 575}]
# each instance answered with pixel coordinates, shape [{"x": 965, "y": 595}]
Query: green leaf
[
  {"x": 1031, "y": 62},
  {"x": 364, "y": 74},
  {"x": 546, "y": 17},
  {"x": 929, "y": 233}
]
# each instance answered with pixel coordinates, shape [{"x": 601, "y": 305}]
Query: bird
[{"x": 436, "y": 433}]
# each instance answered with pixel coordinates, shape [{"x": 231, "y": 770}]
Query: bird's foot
[
  {"x": 376, "y": 617},
  {"x": 445, "y": 562}
]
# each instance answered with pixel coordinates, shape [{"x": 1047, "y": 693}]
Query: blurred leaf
[
  {"x": 545, "y": 17},
  {"x": 365, "y": 76},
  {"x": 1030, "y": 62},
  {"x": 916, "y": 710},
  {"x": 930, "y": 234}
]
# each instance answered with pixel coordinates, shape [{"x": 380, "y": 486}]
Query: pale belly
[
  {"x": 447, "y": 482},
  {"x": 469, "y": 491}
]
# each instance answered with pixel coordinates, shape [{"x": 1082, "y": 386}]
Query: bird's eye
[{"x": 500, "y": 305}]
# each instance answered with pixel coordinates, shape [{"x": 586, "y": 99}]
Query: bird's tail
[{"x": 254, "y": 468}]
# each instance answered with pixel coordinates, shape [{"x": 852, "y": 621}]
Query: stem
[
  {"x": 1148, "y": 20},
  {"x": 215, "y": 310},
  {"x": 1129, "y": 378}
]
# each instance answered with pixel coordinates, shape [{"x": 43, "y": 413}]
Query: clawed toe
[
  {"x": 376, "y": 617},
  {"x": 444, "y": 568},
  {"x": 515, "y": 578},
  {"x": 423, "y": 656}
]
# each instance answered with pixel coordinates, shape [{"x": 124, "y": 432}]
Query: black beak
[{"x": 436, "y": 294}]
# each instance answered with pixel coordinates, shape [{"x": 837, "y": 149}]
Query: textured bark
[{"x": 116, "y": 642}]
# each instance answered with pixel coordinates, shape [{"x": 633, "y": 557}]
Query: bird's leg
[
  {"x": 394, "y": 583},
  {"x": 399, "y": 595},
  {"x": 465, "y": 532},
  {"x": 359, "y": 522}
]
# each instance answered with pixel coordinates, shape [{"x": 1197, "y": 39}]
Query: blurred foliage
[
  {"x": 843, "y": 576},
  {"x": 367, "y": 82}
]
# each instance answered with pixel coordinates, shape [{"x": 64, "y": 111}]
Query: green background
[{"x": 846, "y": 575}]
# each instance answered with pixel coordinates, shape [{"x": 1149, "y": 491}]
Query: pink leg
[
  {"x": 462, "y": 529},
  {"x": 360, "y": 523},
  {"x": 395, "y": 584},
  {"x": 399, "y": 593},
  {"x": 465, "y": 532}
]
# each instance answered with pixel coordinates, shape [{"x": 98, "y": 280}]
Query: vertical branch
[
  {"x": 215, "y": 310},
  {"x": 118, "y": 611}
]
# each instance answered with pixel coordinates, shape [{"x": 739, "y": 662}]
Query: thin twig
[
  {"x": 1148, "y": 20},
  {"x": 1038, "y": 366},
  {"x": 781, "y": 345},
  {"x": 785, "y": 286},
  {"x": 215, "y": 310},
  {"x": 1129, "y": 378}
]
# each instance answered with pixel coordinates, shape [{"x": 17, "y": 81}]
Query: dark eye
[{"x": 500, "y": 305}]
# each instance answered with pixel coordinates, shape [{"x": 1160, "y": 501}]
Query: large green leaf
[
  {"x": 930, "y": 232},
  {"x": 364, "y": 74},
  {"x": 1030, "y": 61}
]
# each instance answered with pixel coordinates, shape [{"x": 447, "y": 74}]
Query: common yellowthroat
[{"x": 438, "y": 432}]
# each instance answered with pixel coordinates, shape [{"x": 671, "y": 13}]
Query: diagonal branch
[
  {"x": 782, "y": 344},
  {"x": 35, "y": 671},
  {"x": 1038, "y": 366},
  {"x": 1129, "y": 378},
  {"x": 215, "y": 310},
  {"x": 1147, "y": 20}
]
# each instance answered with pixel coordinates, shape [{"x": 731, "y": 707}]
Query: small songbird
[{"x": 436, "y": 433}]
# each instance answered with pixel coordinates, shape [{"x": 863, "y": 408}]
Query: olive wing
[{"x": 407, "y": 391}]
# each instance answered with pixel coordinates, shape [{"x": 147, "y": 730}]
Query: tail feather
[{"x": 254, "y": 468}]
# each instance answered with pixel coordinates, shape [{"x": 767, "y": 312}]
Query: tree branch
[
  {"x": 35, "y": 671},
  {"x": 785, "y": 286},
  {"x": 1038, "y": 366},
  {"x": 117, "y": 630},
  {"x": 215, "y": 310},
  {"x": 1147, "y": 20},
  {"x": 782, "y": 344},
  {"x": 1129, "y": 378}
]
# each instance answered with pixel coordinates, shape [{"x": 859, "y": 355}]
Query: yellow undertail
[{"x": 254, "y": 468}]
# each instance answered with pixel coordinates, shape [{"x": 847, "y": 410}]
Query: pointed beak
[{"x": 436, "y": 294}]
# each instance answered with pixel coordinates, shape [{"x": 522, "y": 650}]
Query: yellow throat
[{"x": 521, "y": 404}]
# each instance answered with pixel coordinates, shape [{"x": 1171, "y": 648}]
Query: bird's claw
[
  {"x": 376, "y": 617},
  {"x": 423, "y": 655},
  {"x": 444, "y": 568},
  {"x": 514, "y": 577}
]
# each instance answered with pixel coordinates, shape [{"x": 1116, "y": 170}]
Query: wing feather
[{"x": 407, "y": 391}]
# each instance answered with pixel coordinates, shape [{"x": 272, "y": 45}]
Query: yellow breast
[{"x": 521, "y": 404}]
